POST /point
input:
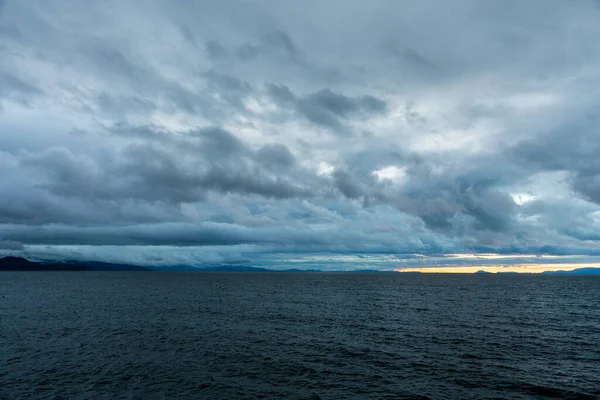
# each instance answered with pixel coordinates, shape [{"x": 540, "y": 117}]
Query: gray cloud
[
  {"x": 162, "y": 168},
  {"x": 327, "y": 108},
  {"x": 473, "y": 128},
  {"x": 569, "y": 148},
  {"x": 215, "y": 49},
  {"x": 271, "y": 44},
  {"x": 9, "y": 244},
  {"x": 276, "y": 156},
  {"x": 13, "y": 88}
]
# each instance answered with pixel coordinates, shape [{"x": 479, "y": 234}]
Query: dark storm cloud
[
  {"x": 588, "y": 185},
  {"x": 254, "y": 182},
  {"x": 571, "y": 148},
  {"x": 219, "y": 143},
  {"x": 215, "y": 49},
  {"x": 8, "y": 244},
  {"x": 38, "y": 207},
  {"x": 449, "y": 202},
  {"x": 172, "y": 234},
  {"x": 454, "y": 201},
  {"x": 129, "y": 71},
  {"x": 327, "y": 108},
  {"x": 13, "y": 88},
  {"x": 226, "y": 83},
  {"x": 444, "y": 207},
  {"x": 280, "y": 40},
  {"x": 229, "y": 88},
  {"x": 276, "y": 156},
  {"x": 178, "y": 235},
  {"x": 272, "y": 43},
  {"x": 340, "y": 105},
  {"x": 472, "y": 193},
  {"x": 418, "y": 66},
  {"x": 111, "y": 61},
  {"x": 220, "y": 162},
  {"x": 172, "y": 170},
  {"x": 347, "y": 185}
]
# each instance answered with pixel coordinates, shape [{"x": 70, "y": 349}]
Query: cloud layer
[{"x": 202, "y": 132}]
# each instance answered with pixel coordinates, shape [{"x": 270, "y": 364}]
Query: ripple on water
[{"x": 110, "y": 335}]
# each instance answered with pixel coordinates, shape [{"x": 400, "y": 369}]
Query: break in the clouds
[{"x": 160, "y": 132}]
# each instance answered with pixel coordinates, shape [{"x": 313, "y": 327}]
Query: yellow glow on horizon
[{"x": 522, "y": 268}]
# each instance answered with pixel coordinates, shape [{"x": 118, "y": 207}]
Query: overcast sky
[{"x": 201, "y": 132}]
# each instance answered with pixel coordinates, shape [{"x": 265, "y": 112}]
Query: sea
[{"x": 193, "y": 335}]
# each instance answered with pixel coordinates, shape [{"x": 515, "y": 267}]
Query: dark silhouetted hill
[
  {"x": 22, "y": 264},
  {"x": 103, "y": 266}
]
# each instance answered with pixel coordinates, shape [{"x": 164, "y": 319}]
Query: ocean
[{"x": 179, "y": 335}]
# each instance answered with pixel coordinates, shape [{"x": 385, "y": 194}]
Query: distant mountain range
[
  {"x": 578, "y": 271},
  {"x": 21, "y": 264}
]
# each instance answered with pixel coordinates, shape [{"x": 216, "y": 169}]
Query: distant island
[{"x": 577, "y": 271}]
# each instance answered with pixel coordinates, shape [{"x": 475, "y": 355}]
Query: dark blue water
[{"x": 145, "y": 335}]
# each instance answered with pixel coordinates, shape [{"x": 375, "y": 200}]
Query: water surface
[{"x": 153, "y": 335}]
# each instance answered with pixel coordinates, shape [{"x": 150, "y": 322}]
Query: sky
[{"x": 314, "y": 134}]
